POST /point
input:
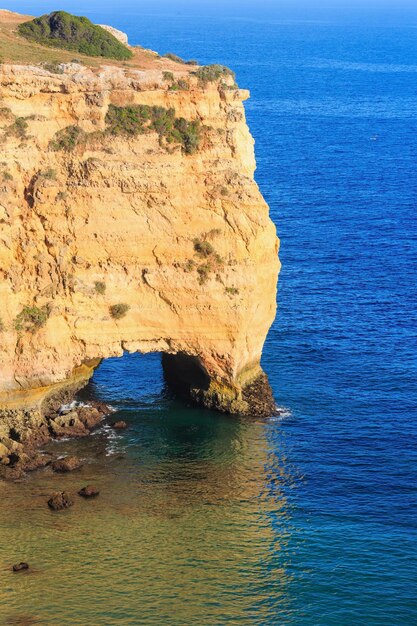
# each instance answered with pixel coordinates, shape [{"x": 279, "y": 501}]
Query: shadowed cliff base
[
  {"x": 32, "y": 418},
  {"x": 187, "y": 378}
]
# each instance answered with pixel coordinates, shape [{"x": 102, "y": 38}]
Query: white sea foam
[
  {"x": 75, "y": 404},
  {"x": 282, "y": 414}
]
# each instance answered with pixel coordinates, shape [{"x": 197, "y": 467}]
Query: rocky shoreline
[{"x": 22, "y": 433}]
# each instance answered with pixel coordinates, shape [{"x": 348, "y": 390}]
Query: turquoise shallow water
[{"x": 306, "y": 520}]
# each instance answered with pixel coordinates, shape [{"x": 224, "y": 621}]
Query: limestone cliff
[{"x": 117, "y": 242}]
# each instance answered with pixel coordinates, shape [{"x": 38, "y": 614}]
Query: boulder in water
[
  {"x": 89, "y": 492},
  {"x": 68, "y": 425},
  {"x": 121, "y": 425},
  {"x": 89, "y": 416},
  {"x": 20, "y": 567},
  {"x": 60, "y": 500},
  {"x": 67, "y": 464}
]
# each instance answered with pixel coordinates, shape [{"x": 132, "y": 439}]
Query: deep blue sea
[{"x": 310, "y": 519}]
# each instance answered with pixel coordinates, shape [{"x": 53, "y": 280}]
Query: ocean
[{"x": 309, "y": 518}]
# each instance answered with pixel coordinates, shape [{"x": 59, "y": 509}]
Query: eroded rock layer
[{"x": 130, "y": 242}]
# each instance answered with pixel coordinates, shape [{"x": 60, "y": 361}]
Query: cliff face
[{"x": 184, "y": 240}]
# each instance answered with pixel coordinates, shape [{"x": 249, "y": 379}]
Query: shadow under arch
[
  {"x": 148, "y": 379},
  {"x": 187, "y": 377}
]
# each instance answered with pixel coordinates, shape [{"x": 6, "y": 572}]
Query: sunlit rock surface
[{"x": 117, "y": 220}]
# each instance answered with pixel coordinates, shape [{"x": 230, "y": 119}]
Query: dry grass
[{"x": 16, "y": 49}]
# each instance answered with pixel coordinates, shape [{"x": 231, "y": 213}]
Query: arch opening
[
  {"x": 145, "y": 376},
  {"x": 186, "y": 377}
]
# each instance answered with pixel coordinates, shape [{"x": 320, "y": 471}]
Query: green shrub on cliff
[
  {"x": 100, "y": 287},
  {"x": 204, "y": 272},
  {"x": 55, "y": 67},
  {"x": 70, "y": 32},
  {"x": 190, "y": 133},
  {"x": 130, "y": 120},
  {"x": 117, "y": 311},
  {"x": 204, "y": 249},
  {"x": 211, "y": 260},
  {"x": 31, "y": 318},
  {"x": 48, "y": 174},
  {"x": 177, "y": 59},
  {"x": 210, "y": 73},
  {"x": 189, "y": 266},
  {"x": 180, "y": 85},
  {"x": 67, "y": 139},
  {"x": 18, "y": 128},
  {"x": 174, "y": 57},
  {"x": 139, "y": 119}
]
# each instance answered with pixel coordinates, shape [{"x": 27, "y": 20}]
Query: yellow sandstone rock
[{"x": 118, "y": 220}]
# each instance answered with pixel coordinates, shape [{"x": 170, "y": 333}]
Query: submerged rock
[
  {"x": 36, "y": 461},
  {"x": 22, "y": 432},
  {"x": 77, "y": 422},
  {"x": 60, "y": 500},
  {"x": 67, "y": 464},
  {"x": 89, "y": 492},
  {"x": 68, "y": 425},
  {"x": 20, "y": 567},
  {"x": 121, "y": 425},
  {"x": 90, "y": 416}
]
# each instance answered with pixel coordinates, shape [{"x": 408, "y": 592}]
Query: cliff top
[
  {"x": 60, "y": 29},
  {"x": 16, "y": 49}
]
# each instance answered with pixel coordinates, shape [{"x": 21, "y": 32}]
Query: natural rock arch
[{"x": 180, "y": 244}]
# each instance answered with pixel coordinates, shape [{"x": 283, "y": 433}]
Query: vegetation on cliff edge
[
  {"x": 210, "y": 73},
  {"x": 70, "y": 32},
  {"x": 31, "y": 318},
  {"x": 117, "y": 311},
  {"x": 177, "y": 59},
  {"x": 18, "y": 128},
  {"x": 139, "y": 119},
  {"x": 205, "y": 251},
  {"x": 67, "y": 139},
  {"x": 100, "y": 287}
]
